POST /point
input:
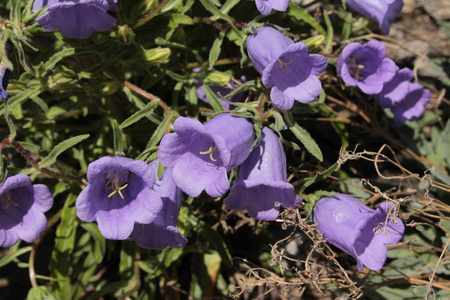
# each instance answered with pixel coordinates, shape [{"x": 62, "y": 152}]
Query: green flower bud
[
  {"x": 125, "y": 34},
  {"x": 156, "y": 55},
  {"x": 216, "y": 77},
  {"x": 315, "y": 43},
  {"x": 61, "y": 82}
]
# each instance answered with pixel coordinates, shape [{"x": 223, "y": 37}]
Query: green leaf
[
  {"x": 302, "y": 15},
  {"x": 215, "y": 103},
  {"x": 216, "y": 48},
  {"x": 60, "y": 148},
  {"x": 20, "y": 98},
  {"x": 148, "y": 109},
  {"x": 213, "y": 237},
  {"x": 209, "y": 5},
  {"x": 330, "y": 32},
  {"x": 41, "y": 293},
  {"x": 177, "y": 19},
  {"x": 13, "y": 255},
  {"x": 100, "y": 242},
  {"x": 303, "y": 136},
  {"x": 61, "y": 264},
  {"x": 118, "y": 138},
  {"x": 156, "y": 138},
  {"x": 229, "y": 5}
]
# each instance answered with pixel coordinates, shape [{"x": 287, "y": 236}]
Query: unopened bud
[
  {"x": 315, "y": 43},
  {"x": 125, "y": 34},
  {"x": 61, "y": 82},
  {"x": 216, "y": 77},
  {"x": 156, "y": 55}
]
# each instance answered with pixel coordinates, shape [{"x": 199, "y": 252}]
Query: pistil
[
  {"x": 283, "y": 65},
  {"x": 210, "y": 151}
]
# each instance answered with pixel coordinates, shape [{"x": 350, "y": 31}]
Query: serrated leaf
[
  {"x": 60, "y": 148},
  {"x": 213, "y": 100},
  {"x": 216, "y": 48},
  {"x": 148, "y": 109},
  {"x": 303, "y": 136}
]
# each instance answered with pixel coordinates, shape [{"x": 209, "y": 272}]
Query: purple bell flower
[
  {"x": 162, "y": 232},
  {"x": 75, "y": 18},
  {"x": 265, "y": 6},
  {"x": 381, "y": 11},
  {"x": 366, "y": 66},
  {"x": 396, "y": 89},
  {"x": 119, "y": 194},
  {"x": 22, "y": 207},
  {"x": 4, "y": 78},
  {"x": 262, "y": 187},
  {"x": 357, "y": 229},
  {"x": 412, "y": 106},
  {"x": 219, "y": 90},
  {"x": 286, "y": 67},
  {"x": 201, "y": 155}
]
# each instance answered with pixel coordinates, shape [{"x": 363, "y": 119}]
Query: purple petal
[
  {"x": 152, "y": 236},
  {"x": 396, "y": 89},
  {"x": 412, "y": 106}
]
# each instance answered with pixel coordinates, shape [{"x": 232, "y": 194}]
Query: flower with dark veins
[
  {"x": 201, "y": 155},
  {"x": 75, "y": 18},
  {"x": 381, "y": 11},
  {"x": 357, "y": 229},
  {"x": 162, "y": 232},
  {"x": 119, "y": 194},
  {"x": 286, "y": 67},
  {"x": 366, "y": 66},
  {"x": 262, "y": 186},
  {"x": 22, "y": 208}
]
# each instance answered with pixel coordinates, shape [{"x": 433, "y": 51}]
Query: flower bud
[
  {"x": 157, "y": 55},
  {"x": 216, "y": 77},
  {"x": 61, "y": 81},
  {"x": 125, "y": 34}
]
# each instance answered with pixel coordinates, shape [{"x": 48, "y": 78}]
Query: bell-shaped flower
[
  {"x": 162, "y": 232},
  {"x": 366, "y": 66},
  {"x": 396, "y": 89},
  {"x": 201, "y": 155},
  {"x": 412, "y": 106},
  {"x": 286, "y": 67},
  {"x": 22, "y": 207},
  {"x": 357, "y": 229},
  {"x": 75, "y": 18},
  {"x": 262, "y": 187},
  {"x": 381, "y": 11},
  {"x": 265, "y": 6},
  {"x": 119, "y": 194}
]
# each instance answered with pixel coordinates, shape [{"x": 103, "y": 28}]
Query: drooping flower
[
  {"x": 219, "y": 90},
  {"x": 412, "y": 106},
  {"x": 4, "y": 78},
  {"x": 22, "y": 207},
  {"x": 76, "y": 18},
  {"x": 119, "y": 194},
  {"x": 357, "y": 229},
  {"x": 265, "y": 6},
  {"x": 286, "y": 67},
  {"x": 396, "y": 89},
  {"x": 381, "y": 11},
  {"x": 262, "y": 187},
  {"x": 201, "y": 155},
  {"x": 162, "y": 232},
  {"x": 366, "y": 66}
]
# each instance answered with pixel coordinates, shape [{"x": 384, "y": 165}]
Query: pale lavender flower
[
  {"x": 201, "y": 155},
  {"x": 366, "y": 66},
  {"x": 396, "y": 89},
  {"x": 357, "y": 229},
  {"x": 22, "y": 207},
  {"x": 412, "y": 106},
  {"x": 75, "y": 18},
  {"x": 262, "y": 186},
  {"x": 162, "y": 232},
  {"x": 286, "y": 67},
  {"x": 119, "y": 194},
  {"x": 381, "y": 11},
  {"x": 265, "y": 6}
]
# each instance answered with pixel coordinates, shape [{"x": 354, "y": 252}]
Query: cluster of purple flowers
[{"x": 367, "y": 67}]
